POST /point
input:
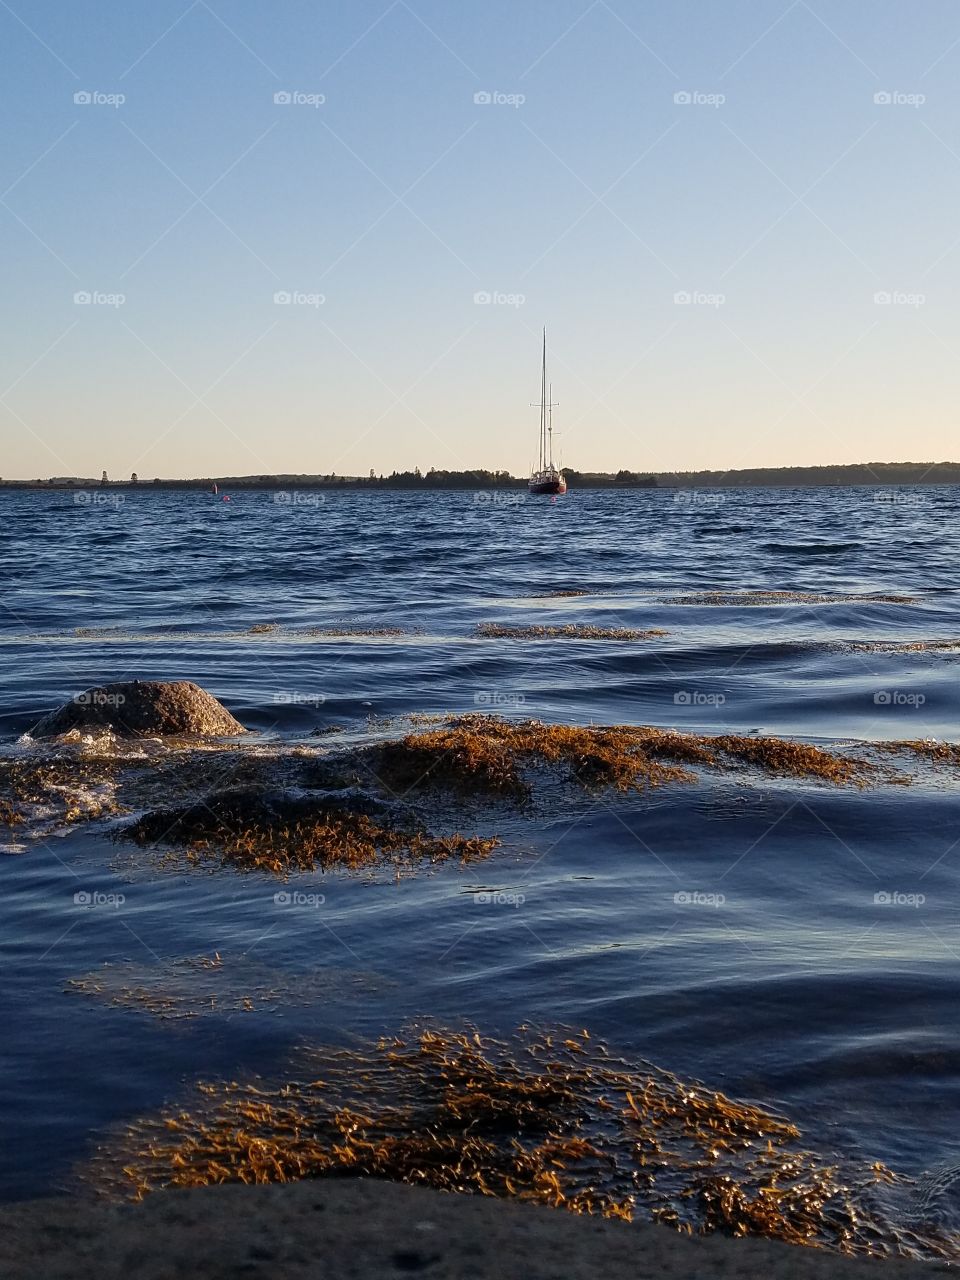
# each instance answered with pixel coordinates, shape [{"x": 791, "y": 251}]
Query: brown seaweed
[
  {"x": 547, "y": 1117},
  {"x": 485, "y": 754},
  {"x": 566, "y": 631},
  {"x": 256, "y": 832}
]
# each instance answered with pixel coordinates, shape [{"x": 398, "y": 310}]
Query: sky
[{"x": 245, "y": 237}]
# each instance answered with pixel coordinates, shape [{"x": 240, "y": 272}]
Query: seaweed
[
  {"x": 791, "y": 759},
  {"x": 485, "y": 754},
  {"x": 346, "y": 632},
  {"x": 260, "y": 832},
  {"x": 10, "y": 816},
  {"x": 935, "y": 753},
  {"x": 193, "y": 986},
  {"x": 567, "y": 631},
  {"x": 901, "y": 646},
  {"x": 547, "y": 1117},
  {"x": 755, "y": 599},
  {"x": 73, "y": 787}
]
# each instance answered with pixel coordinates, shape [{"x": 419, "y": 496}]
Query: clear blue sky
[{"x": 795, "y": 199}]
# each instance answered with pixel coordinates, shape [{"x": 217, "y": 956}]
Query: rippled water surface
[{"x": 785, "y": 941}]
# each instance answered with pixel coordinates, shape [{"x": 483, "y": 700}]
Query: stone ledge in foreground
[{"x": 371, "y": 1230}]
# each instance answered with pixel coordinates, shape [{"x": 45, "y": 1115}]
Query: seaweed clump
[
  {"x": 254, "y": 832},
  {"x": 9, "y": 815},
  {"x": 546, "y": 1118},
  {"x": 756, "y": 599},
  {"x": 936, "y": 753},
  {"x": 566, "y": 631},
  {"x": 487, "y": 754},
  {"x": 71, "y": 787},
  {"x": 901, "y": 646},
  {"x": 791, "y": 759},
  {"x": 358, "y": 631}
]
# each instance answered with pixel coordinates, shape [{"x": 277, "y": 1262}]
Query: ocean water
[{"x": 786, "y": 941}]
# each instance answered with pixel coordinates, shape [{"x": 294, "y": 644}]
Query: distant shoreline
[{"x": 855, "y": 474}]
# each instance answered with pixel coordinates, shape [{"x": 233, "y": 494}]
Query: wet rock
[{"x": 143, "y": 708}]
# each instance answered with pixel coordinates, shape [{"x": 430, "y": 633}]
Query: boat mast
[
  {"x": 543, "y": 402},
  {"x": 550, "y": 430}
]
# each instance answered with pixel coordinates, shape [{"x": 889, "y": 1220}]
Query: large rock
[{"x": 143, "y": 708}]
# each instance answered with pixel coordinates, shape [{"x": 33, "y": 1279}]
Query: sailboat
[{"x": 547, "y": 478}]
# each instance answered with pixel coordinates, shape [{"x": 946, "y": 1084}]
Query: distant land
[{"x": 860, "y": 473}]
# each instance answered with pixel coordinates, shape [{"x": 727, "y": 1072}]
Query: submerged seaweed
[
  {"x": 253, "y": 831},
  {"x": 194, "y": 986},
  {"x": 547, "y": 1117}
]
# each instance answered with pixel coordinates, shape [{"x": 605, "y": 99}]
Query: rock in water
[{"x": 143, "y": 708}]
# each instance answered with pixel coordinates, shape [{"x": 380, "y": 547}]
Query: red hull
[{"x": 547, "y": 486}]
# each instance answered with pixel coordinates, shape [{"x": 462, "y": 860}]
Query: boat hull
[{"x": 548, "y": 484}]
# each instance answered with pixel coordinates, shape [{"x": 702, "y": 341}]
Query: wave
[{"x": 811, "y": 548}]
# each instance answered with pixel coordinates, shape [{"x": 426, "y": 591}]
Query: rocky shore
[{"x": 367, "y": 1229}]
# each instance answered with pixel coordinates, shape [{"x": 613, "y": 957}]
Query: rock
[
  {"x": 143, "y": 708},
  {"x": 371, "y": 1230}
]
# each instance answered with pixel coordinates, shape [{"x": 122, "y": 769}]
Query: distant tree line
[
  {"x": 416, "y": 479},
  {"x": 858, "y": 473},
  {"x": 864, "y": 473}
]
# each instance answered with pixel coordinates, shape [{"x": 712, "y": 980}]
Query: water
[{"x": 781, "y": 978}]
